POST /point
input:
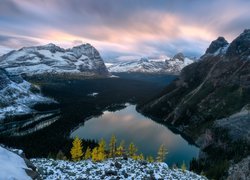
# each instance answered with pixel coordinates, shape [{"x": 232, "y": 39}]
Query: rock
[
  {"x": 110, "y": 173},
  {"x": 125, "y": 174},
  {"x": 71, "y": 174},
  {"x": 33, "y": 174},
  {"x": 240, "y": 170},
  {"x": 118, "y": 165},
  {"x": 143, "y": 163},
  {"x": 240, "y": 46},
  {"x": 125, "y": 157}
]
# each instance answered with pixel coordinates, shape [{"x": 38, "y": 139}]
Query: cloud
[{"x": 123, "y": 28}]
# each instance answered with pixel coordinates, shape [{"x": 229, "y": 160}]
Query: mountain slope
[
  {"x": 214, "y": 88},
  {"x": 171, "y": 66},
  {"x": 18, "y": 99},
  {"x": 83, "y": 60}
]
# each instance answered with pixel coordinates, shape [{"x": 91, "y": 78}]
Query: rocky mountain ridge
[
  {"x": 83, "y": 60},
  {"x": 144, "y": 65},
  {"x": 215, "y": 88}
]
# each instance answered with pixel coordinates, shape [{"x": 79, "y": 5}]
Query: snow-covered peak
[
  {"x": 12, "y": 166},
  {"x": 217, "y": 44},
  {"x": 83, "y": 60},
  {"x": 145, "y": 65}
]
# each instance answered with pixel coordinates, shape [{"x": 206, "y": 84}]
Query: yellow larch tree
[
  {"x": 183, "y": 166},
  {"x": 140, "y": 157},
  {"x": 120, "y": 149},
  {"x": 76, "y": 150},
  {"x": 101, "y": 150},
  {"x": 161, "y": 153},
  {"x": 88, "y": 153},
  {"x": 112, "y": 146},
  {"x": 94, "y": 154},
  {"x": 132, "y": 151},
  {"x": 150, "y": 159}
]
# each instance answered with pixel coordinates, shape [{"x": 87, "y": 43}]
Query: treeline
[{"x": 112, "y": 150}]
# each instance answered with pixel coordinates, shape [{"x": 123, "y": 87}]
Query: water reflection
[{"x": 127, "y": 124}]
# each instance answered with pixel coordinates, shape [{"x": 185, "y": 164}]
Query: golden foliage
[{"x": 76, "y": 150}]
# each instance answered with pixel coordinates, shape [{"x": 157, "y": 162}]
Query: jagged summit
[
  {"x": 83, "y": 60},
  {"x": 179, "y": 56},
  {"x": 240, "y": 46},
  {"x": 217, "y": 44}
]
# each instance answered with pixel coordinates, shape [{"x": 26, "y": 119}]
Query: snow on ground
[
  {"x": 12, "y": 166},
  {"x": 117, "y": 168},
  {"x": 94, "y": 94}
]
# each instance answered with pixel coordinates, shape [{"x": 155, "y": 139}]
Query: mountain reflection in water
[{"x": 129, "y": 125}]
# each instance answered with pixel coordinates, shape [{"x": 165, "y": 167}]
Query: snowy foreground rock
[
  {"x": 12, "y": 165},
  {"x": 110, "y": 169}
]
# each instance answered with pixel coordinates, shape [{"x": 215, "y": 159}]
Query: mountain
[
  {"x": 171, "y": 66},
  {"x": 83, "y": 60},
  {"x": 18, "y": 98},
  {"x": 210, "y": 94}
]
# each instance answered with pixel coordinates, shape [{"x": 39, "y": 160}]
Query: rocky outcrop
[
  {"x": 240, "y": 170},
  {"x": 217, "y": 44},
  {"x": 14, "y": 165},
  {"x": 83, "y": 60},
  {"x": 237, "y": 125}
]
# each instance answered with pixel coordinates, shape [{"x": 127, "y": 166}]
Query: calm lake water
[{"x": 129, "y": 125}]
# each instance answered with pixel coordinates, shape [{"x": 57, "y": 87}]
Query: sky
[{"x": 122, "y": 29}]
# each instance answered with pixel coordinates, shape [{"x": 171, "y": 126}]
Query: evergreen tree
[
  {"x": 60, "y": 155},
  {"x": 88, "y": 153},
  {"x": 112, "y": 146},
  {"x": 150, "y": 159},
  {"x": 94, "y": 154},
  {"x": 76, "y": 150},
  {"x": 161, "y": 153},
  {"x": 140, "y": 157},
  {"x": 132, "y": 151},
  {"x": 121, "y": 149},
  {"x": 101, "y": 150},
  {"x": 50, "y": 156}
]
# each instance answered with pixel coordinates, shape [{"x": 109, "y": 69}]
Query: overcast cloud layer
[{"x": 122, "y": 27}]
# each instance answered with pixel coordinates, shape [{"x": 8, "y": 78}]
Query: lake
[{"x": 129, "y": 125}]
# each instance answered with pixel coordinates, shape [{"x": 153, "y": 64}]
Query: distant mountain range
[
  {"x": 83, "y": 60},
  {"x": 210, "y": 101},
  {"x": 144, "y": 65}
]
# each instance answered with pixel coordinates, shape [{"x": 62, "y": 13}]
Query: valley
[{"x": 76, "y": 105}]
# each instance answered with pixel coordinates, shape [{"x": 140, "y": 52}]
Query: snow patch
[
  {"x": 12, "y": 166},
  {"x": 94, "y": 94}
]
